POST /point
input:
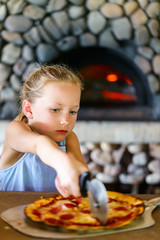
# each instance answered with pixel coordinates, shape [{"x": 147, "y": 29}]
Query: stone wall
[
  {"x": 39, "y": 31},
  {"x": 125, "y": 156},
  {"x": 134, "y": 166}
]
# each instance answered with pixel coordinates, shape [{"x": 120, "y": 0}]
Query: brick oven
[
  {"x": 101, "y": 39},
  {"x": 115, "y": 88}
]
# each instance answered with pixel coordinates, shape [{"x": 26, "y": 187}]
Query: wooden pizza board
[{"x": 16, "y": 218}]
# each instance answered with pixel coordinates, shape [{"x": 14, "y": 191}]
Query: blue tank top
[{"x": 29, "y": 173}]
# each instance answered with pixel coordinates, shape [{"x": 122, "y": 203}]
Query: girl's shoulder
[
  {"x": 15, "y": 127},
  {"x": 16, "y": 123},
  {"x": 14, "y": 134}
]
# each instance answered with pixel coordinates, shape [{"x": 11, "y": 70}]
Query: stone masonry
[{"x": 38, "y": 31}]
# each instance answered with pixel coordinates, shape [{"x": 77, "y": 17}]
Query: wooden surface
[{"x": 13, "y": 199}]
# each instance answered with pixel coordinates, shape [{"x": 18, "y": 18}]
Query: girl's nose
[{"x": 64, "y": 119}]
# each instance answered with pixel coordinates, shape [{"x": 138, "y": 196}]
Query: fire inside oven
[
  {"x": 114, "y": 87},
  {"x": 106, "y": 86}
]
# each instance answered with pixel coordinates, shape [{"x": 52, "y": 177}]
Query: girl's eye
[
  {"x": 73, "y": 112},
  {"x": 55, "y": 110}
]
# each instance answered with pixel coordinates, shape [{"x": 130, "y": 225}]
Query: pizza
[{"x": 74, "y": 213}]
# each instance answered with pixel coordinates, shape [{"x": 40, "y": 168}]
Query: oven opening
[
  {"x": 115, "y": 88},
  {"x": 106, "y": 86}
]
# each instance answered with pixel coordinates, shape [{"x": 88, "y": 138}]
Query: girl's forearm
[
  {"x": 49, "y": 152},
  {"x": 67, "y": 166}
]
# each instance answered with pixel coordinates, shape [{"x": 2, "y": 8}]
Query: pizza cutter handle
[{"x": 84, "y": 182}]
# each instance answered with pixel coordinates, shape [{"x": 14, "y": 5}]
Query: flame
[
  {"x": 118, "y": 96},
  {"x": 128, "y": 81},
  {"x": 112, "y": 77}
]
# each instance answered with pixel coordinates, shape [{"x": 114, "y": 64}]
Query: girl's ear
[{"x": 26, "y": 106}]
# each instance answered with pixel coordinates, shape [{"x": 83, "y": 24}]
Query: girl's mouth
[{"x": 62, "y": 131}]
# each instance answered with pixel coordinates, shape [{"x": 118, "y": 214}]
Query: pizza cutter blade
[{"x": 98, "y": 197}]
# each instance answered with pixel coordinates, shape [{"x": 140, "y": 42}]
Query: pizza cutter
[{"x": 98, "y": 198}]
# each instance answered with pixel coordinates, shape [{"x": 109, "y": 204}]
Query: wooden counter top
[{"x": 13, "y": 199}]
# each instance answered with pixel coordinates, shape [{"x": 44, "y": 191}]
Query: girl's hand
[
  {"x": 61, "y": 190},
  {"x": 70, "y": 167},
  {"x": 67, "y": 181}
]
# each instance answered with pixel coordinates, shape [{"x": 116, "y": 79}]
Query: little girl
[{"x": 41, "y": 152}]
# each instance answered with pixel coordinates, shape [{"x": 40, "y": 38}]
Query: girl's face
[{"x": 54, "y": 113}]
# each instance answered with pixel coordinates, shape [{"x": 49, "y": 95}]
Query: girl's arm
[
  {"x": 73, "y": 147},
  {"x": 74, "y": 152},
  {"x": 20, "y": 139}
]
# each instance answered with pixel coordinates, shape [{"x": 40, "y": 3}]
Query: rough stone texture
[
  {"x": 10, "y": 53},
  {"x": 3, "y": 12},
  {"x": 5, "y": 72},
  {"x": 154, "y": 165},
  {"x": 51, "y": 28},
  {"x": 27, "y": 53},
  {"x": 153, "y": 178},
  {"x": 135, "y": 148},
  {"x": 111, "y": 10},
  {"x": 11, "y": 37},
  {"x": 78, "y": 26},
  {"x": 55, "y": 5},
  {"x": 155, "y": 45},
  {"x": 119, "y": 2},
  {"x": 131, "y": 27},
  {"x": 9, "y": 108},
  {"x": 94, "y": 4},
  {"x": 156, "y": 64},
  {"x": 29, "y": 69},
  {"x": 16, "y": 6},
  {"x": 62, "y": 21},
  {"x": 130, "y": 7},
  {"x": 140, "y": 159},
  {"x": 32, "y": 37},
  {"x": 19, "y": 66},
  {"x": 139, "y": 18},
  {"x": 77, "y": 2},
  {"x": 146, "y": 52},
  {"x": 154, "y": 83},
  {"x": 17, "y": 23},
  {"x": 96, "y": 22},
  {"x": 38, "y": 2},
  {"x": 44, "y": 35},
  {"x": 15, "y": 82},
  {"x": 46, "y": 52},
  {"x": 67, "y": 43},
  {"x": 76, "y": 12},
  {"x": 34, "y": 12},
  {"x": 106, "y": 39},
  {"x": 143, "y": 63},
  {"x": 87, "y": 39},
  {"x": 7, "y": 93},
  {"x": 143, "y": 3},
  {"x": 142, "y": 36},
  {"x": 153, "y": 10},
  {"x": 122, "y": 28},
  {"x": 154, "y": 26},
  {"x": 154, "y": 150}
]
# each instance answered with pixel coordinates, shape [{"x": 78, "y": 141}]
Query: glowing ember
[{"x": 112, "y": 77}]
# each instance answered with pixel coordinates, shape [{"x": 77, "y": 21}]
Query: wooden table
[{"x": 13, "y": 199}]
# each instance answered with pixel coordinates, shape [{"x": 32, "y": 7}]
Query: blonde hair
[{"x": 40, "y": 76}]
